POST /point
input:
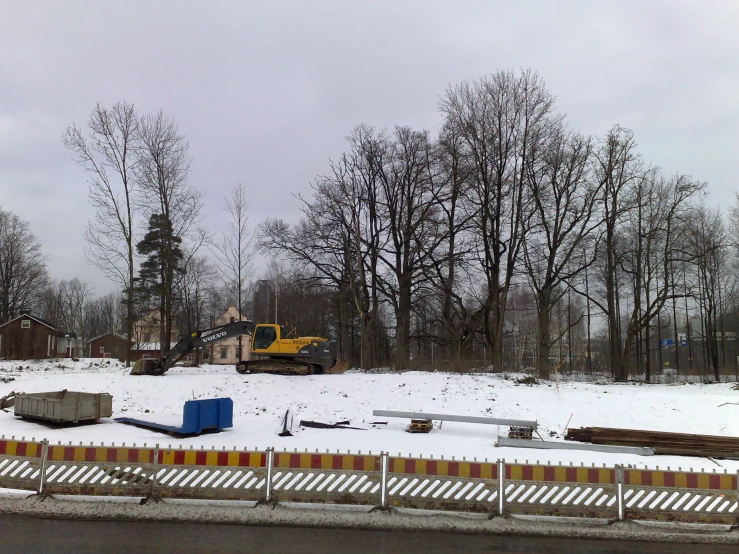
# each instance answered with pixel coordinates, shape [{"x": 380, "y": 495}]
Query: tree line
[
  {"x": 508, "y": 240},
  {"x": 443, "y": 242}
]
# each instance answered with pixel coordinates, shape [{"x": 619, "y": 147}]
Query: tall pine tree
[{"x": 155, "y": 283}]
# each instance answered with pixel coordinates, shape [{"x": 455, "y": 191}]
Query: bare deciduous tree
[
  {"x": 64, "y": 304},
  {"x": 234, "y": 249},
  {"x": 616, "y": 166},
  {"x": 707, "y": 246},
  {"x": 563, "y": 200},
  {"x": 108, "y": 156},
  {"x": 408, "y": 201},
  {"x": 499, "y": 120},
  {"x": 654, "y": 240},
  {"x": 102, "y": 315},
  {"x": 23, "y": 275},
  {"x": 450, "y": 268},
  {"x": 196, "y": 288}
]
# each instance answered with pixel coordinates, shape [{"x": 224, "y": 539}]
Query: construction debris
[
  {"x": 285, "y": 431},
  {"x": 420, "y": 426},
  {"x": 337, "y": 425},
  {"x": 674, "y": 444}
]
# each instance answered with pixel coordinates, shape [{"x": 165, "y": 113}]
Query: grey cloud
[{"x": 267, "y": 91}]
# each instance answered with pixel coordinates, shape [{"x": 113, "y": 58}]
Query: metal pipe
[
  {"x": 155, "y": 472},
  {"x": 383, "y": 478},
  {"x": 270, "y": 463},
  {"x": 42, "y": 470},
  {"x": 501, "y": 487},
  {"x": 620, "y": 491}
]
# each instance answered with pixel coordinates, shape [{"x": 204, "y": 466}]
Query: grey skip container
[{"x": 64, "y": 406}]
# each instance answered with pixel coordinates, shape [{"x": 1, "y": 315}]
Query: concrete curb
[{"x": 290, "y": 515}]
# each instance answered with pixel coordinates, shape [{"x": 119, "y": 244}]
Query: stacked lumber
[
  {"x": 420, "y": 426},
  {"x": 677, "y": 444}
]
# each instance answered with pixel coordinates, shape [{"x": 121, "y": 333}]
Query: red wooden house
[{"x": 30, "y": 337}]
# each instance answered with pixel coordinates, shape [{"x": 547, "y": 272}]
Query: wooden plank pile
[
  {"x": 525, "y": 433},
  {"x": 677, "y": 444},
  {"x": 420, "y": 426}
]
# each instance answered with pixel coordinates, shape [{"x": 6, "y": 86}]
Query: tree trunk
[
  {"x": 544, "y": 338},
  {"x": 614, "y": 346},
  {"x": 344, "y": 342},
  {"x": 403, "y": 323}
]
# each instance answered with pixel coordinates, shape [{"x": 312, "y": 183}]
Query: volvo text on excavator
[{"x": 272, "y": 351}]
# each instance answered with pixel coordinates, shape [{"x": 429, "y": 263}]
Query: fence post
[
  {"x": 501, "y": 487},
  {"x": 620, "y": 491},
  {"x": 155, "y": 471},
  {"x": 383, "y": 479},
  {"x": 270, "y": 465},
  {"x": 42, "y": 470}
]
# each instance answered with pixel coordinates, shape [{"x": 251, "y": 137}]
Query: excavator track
[{"x": 278, "y": 367}]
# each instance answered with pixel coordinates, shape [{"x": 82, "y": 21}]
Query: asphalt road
[{"x": 23, "y": 534}]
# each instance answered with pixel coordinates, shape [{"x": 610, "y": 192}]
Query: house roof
[
  {"x": 35, "y": 318},
  {"x": 108, "y": 334},
  {"x": 231, "y": 312}
]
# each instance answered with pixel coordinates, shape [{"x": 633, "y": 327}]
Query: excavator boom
[{"x": 188, "y": 344}]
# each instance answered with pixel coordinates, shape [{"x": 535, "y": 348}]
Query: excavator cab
[{"x": 264, "y": 336}]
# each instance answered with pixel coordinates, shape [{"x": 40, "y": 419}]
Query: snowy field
[{"x": 260, "y": 402}]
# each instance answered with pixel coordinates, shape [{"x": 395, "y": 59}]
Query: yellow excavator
[{"x": 272, "y": 351}]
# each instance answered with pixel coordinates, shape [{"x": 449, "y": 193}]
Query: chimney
[{"x": 25, "y": 311}]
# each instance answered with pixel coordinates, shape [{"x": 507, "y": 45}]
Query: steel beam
[
  {"x": 462, "y": 419},
  {"x": 559, "y": 445}
]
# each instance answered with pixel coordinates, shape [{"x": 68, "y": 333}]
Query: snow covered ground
[{"x": 260, "y": 402}]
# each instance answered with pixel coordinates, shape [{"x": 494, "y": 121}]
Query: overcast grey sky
[{"x": 267, "y": 91}]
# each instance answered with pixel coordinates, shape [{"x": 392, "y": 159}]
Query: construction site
[{"x": 494, "y": 443}]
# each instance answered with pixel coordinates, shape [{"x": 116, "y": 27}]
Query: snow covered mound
[{"x": 260, "y": 403}]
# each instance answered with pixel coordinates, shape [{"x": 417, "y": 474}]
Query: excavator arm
[{"x": 188, "y": 344}]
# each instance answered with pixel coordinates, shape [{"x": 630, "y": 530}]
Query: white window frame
[
  {"x": 102, "y": 350},
  {"x": 25, "y": 323}
]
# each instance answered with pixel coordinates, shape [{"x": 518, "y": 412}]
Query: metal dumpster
[{"x": 64, "y": 406}]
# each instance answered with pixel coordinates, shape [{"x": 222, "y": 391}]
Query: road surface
[{"x": 23, "y": 534}]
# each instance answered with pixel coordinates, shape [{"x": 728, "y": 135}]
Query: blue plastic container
[{"x": 198, "y": 416}]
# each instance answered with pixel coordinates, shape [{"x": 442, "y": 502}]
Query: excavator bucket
[
  {"x": 147, "y": 367},
  {"x": 7, "y": 401},
  {"x": 340, "y": 366}
]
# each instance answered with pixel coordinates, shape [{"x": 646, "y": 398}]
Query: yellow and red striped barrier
[
  {"x": 680, "y": 479},
  {"x": 348, "y": 462},
  {"x": 443, "y": 468},
  {"x": 16, "y": 458},
  {"x": 216, "y": 458},
  {"x": 28, "y": 449},
  {"x": 134, "y": 455},
  {"x": 560, "y": 474},
  {"x": 100, "y": 454},
  {"x": 446, "y": 484}
]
